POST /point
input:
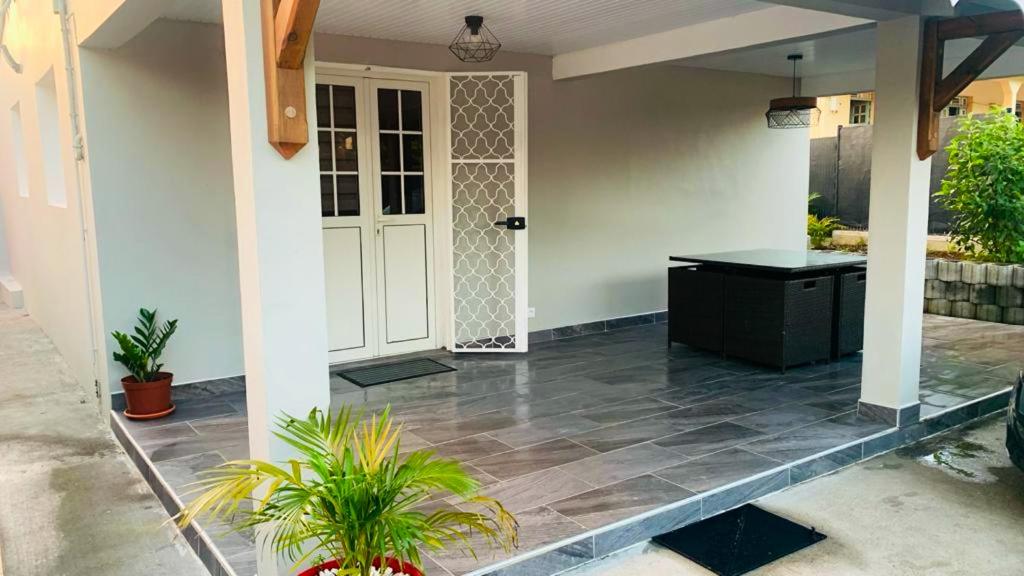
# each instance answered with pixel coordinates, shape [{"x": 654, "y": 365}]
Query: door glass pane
[
  {"x": 348, "y": 195},
  {"x": 414, "y": 199},
  {"x": 326, "y": 195},
  {"x": 345, "y": 152},
  {"x": 412, "y": 152},
  {"x": 344, "y": 107},
  {"x": 412, "y": 110},
  {"x": 387, "y": 109},
  {"x": 323, "y": 106},
  {"x": 389, "y": 153},
  {"x": 324, "y": 142},
  {"x": 391, "y": 194}
]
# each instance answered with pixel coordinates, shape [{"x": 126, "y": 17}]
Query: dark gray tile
[
  {"x": 544, "y": 429},
  {"x": 612, "y": 467},
  {"x": 950, "y": 418},
  {"x": 636, "y": 432},
  {"x": 800, "y": 443},
  {"x": 187, "y": 410},
  {"x": 578, "y": 330},
  {"x": 537, "y": 489},
  {"x": 629, "y": 321},
  {"x": 180, "y": 473},
  {"x": 470, "y": 448},
  {"x": 783, "y": 418},
  {"x": 732, "y": 497},
  {"x": 540, "y": 336},
  {"x": 709, "y": 439},
  {"x": 553, "y": 562},
  {"x": 617, "y": 501},
  {"x": 651, "y": 526},
  {"x": 626, "y": 411},
  {"x": 533, "y": 458},
  {"x": 468, "y": 427},
  {"x": 826, "y": 463},
  {"x": 717, "y": 470},
  {"x": 537, "y": 527}
]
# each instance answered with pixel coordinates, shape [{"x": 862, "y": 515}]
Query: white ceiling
[
  {"x": 840, "y": 54},
  {"x": 533, "y": 26}
]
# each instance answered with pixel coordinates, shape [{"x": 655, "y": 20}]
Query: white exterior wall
[
  {"x": 45, "y": 244},
  {"x": 160, "y": 159},
  {"x": 626, "y": 168}
]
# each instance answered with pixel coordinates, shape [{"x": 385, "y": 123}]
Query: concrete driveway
[
  {"x": 71, "y": 503},
  {"x": 950, "y": 505}
]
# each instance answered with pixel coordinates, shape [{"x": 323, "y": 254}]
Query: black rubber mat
[
  {"x": 740, "y": 540},
  {"x": 393, "y": 372}
]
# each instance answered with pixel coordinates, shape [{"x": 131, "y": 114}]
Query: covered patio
[
  {"x": 333, "y": 188},
  {"x": 601, "y": 441}
]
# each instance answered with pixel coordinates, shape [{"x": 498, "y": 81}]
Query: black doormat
[
  {"x": 740, "y": 540},
  {"x": 393, "y": 372}
]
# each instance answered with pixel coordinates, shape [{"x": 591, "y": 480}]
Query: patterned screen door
[{"x": 488, "y": 162}]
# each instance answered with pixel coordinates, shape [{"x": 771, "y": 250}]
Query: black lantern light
[
  {"x": 795, "y": 111},
  {"x": 475, "y": 42}
]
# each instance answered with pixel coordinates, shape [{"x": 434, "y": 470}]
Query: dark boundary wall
[{"x": 840, "y": 172}]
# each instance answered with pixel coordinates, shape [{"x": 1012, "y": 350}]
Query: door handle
[{"x": 513, "y": 223}]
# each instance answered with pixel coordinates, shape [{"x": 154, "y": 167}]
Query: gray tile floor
[{"x": 583, "y": 432}]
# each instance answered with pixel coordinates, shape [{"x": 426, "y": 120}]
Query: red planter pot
[
  {"x": 392, "y": 563},
  {"x": 148, "y": 400}
]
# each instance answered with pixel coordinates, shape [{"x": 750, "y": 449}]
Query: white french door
[{"x": 373, "y": 138}]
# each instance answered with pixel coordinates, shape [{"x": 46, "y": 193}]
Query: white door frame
[{"x": 441, "y": 181}]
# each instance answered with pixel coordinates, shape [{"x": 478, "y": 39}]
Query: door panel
[
  {"x": 487, "y": 155},
  {"x": 343, "y": 265},
  {"x": 405, "y": 283},
  {"x": 347, "y": 210},
  {"x": 403, "y": 217}
]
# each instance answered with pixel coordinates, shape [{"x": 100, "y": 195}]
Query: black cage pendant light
[
  {"x": 795, "y": 111},
  {"x": 475, "y": 42}
]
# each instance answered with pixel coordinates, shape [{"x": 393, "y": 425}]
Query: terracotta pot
[
  {"x": 148, "y": 400},
  {"x": 392, "y": 563}
]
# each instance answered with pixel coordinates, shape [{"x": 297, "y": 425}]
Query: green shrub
[
  {"x": 984, "y": 187},
  {"x": 819, "y": 229}
]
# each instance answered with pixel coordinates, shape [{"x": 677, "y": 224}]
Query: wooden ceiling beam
[
  {"x": 977, "y": 62},
  {"x": 1001, "y": 31},
  {"x": 980, "y": 25},
  {"x": 293, "y": 26},
  {"x": 287, "y": 28}
]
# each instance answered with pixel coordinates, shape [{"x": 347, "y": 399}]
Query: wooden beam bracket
[
  {"x": 287, "y": 28},
  {"x": 1001, "y": 31}
]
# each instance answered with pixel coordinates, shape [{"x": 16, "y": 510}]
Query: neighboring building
[{"x": 859, "y": 109}]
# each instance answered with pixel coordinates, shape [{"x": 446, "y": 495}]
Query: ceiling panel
[{"x": 533, "y": 26}]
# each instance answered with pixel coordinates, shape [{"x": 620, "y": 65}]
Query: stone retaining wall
[{"x": 989, "y": 292}]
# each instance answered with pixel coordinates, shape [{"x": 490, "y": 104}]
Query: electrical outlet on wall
[{"x": 531, "y": 312}]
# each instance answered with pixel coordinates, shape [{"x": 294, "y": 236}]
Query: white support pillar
[
  {"x": 898, "y": 230},
  {"x": 280, "y": 249}
]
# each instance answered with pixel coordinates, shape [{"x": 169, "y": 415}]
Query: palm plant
[{"x": 349, "y": 496}]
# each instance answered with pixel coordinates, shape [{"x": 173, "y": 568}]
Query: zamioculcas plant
[
  {"x": 140, "y": 353},
  {"x": 350, "y": 496},
  {"x": 147, "y": 389}
]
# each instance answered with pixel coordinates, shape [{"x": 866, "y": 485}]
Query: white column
[
  {"x": 898, "y": 230},
  {"x": 280, "y": 249}
]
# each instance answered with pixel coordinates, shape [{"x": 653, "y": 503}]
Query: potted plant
[
  {"x": 147, "y": 390},
  {"x": 350, "y": 497}
]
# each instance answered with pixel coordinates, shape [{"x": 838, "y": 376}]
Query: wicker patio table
[{"x": 776, "y": 307}]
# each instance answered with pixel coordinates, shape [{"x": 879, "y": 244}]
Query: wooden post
[
  {"x": 287, "y": 28},
  {"x": 1002, "y": 30}
]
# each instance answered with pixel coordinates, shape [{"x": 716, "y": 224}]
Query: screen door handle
[{"x": 513, "y": 223}]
